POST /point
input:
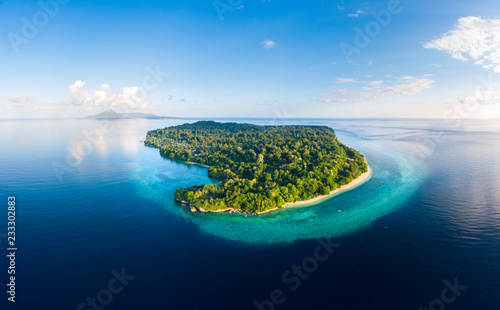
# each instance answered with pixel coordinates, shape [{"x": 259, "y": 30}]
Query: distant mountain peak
[{"x": 112, "y": 114}]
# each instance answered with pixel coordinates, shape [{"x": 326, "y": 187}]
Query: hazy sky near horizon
[{"x": 243, "y": 58}]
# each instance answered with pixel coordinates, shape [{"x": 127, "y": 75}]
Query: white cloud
[
  {"x": 396, "y": 86},
  {"x": 342, "y": 81},
  {"x": 241, "y": 7},
  {"x": 472, "y": 38},
  {"x": 322, "y": 99},
  {"x": 327, "y": 100},
  {"x": 129, "y": 97},
  {"x": 20, "y": 99},
  {"x": 340, "y": 7},
  {"x": 268, "y": 44},
  {"x": 373, "y": 83},
  {"x": 407, "y": 85},
  {"x": 479, "y": 97},
  {"x": 356, "y": 15}
]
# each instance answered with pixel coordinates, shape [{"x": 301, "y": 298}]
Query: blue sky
[{"x": 232, "y": 58}]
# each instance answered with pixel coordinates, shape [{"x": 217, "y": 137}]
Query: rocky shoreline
[{"x": 202, "y": 210}]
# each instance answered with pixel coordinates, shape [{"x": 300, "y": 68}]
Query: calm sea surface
[{"x": 96, "y": 223}]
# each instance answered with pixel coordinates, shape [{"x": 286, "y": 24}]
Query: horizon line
[{"x": 249, "y": 118}]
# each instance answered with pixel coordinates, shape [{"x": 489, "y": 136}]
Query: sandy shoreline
[{"x": 354, "y": 183}]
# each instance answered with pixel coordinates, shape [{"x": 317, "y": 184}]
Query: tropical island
[{"x": 260, "y": 168}]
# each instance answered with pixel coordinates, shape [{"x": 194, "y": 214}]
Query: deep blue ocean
[{"x": 97, "y": 226}]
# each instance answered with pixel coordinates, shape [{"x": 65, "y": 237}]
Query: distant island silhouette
[{"x": 111, "y": 114}]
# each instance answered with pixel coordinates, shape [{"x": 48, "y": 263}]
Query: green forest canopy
[{"x": 259, "y": 167}]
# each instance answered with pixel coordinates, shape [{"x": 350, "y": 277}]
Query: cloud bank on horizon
[
  {"x": 129, "y": 98},
  {"x": 377, "y": 89}
]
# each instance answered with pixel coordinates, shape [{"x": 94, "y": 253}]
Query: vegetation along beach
[{"x": 260, "y": 168}]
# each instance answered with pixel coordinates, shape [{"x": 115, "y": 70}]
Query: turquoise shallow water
[{"x": 395, "y": 177}]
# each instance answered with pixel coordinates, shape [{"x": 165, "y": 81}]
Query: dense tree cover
[{"x": 260, "y": 167}]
